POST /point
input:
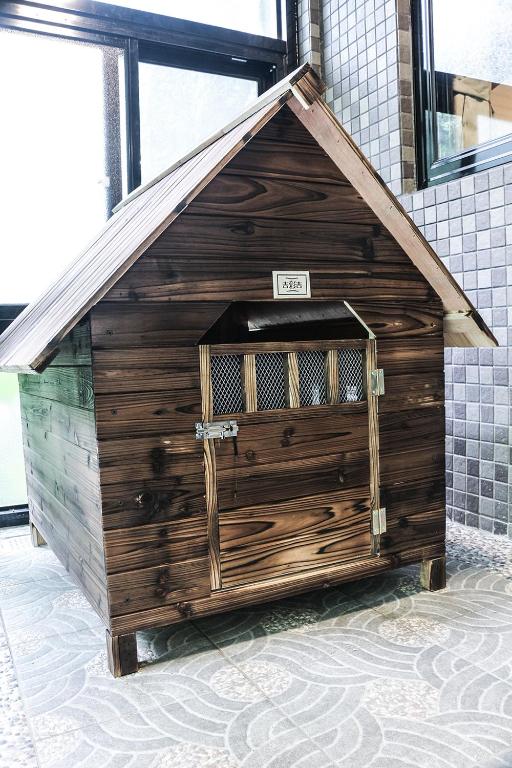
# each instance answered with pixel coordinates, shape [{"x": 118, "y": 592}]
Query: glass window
[
  {"x": 473, "y": 71},
  {"x": 12, "y": 473},
  {"x": 180, "y": 108},
  {"x": 255, "y": 16},
  {"x": 56, "y": 184},
  {"x": 60, "y": 176}
]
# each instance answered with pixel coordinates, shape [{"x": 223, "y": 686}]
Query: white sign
[{"x": 287, "y": 285}]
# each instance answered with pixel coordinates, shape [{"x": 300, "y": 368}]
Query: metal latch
[
  {"x": 377, "y": 381},
  {"x": 379, "y": 521},
  {"x": 213, "y": 430}
]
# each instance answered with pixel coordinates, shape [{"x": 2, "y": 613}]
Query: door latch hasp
[{"x": 213, "y": 430}]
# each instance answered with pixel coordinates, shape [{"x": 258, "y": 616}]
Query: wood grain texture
[
  {"x": 74, "y": 424},
  {"x": 138, "y": 326},
  {"x": 292, "y": 381},
  {"x": 210, "y": 472},
  {"x": 373, "y": 437},
  {"x": 79, "y": 554},
  {"x": 35, "y": 537},
  {"x": 145, "y": 369},
  {"x": 296, "y": 161},
  {"x": 433, "y": 573},
  {"x": 273, "y": 589},
  {"x": 145, "y": 459},
  {"x": 145, "y": 588},
  {"x": 332, "y": 373},
  {"x": 67, "y": 385},
  {"x": 122, "y": 654},
  {"x": 249, "y": 383},
  {"x": 416, "y": 511},
  {"x": 61, "y": 465},
  {"x": 148, "y": 414},
  {"x": 128, "y": 549},
  {"x": 130, "y": 504},
  {"x": 263, "y": 541},
  {"x": 254, "y": 195},
  {"x": 322, "y": 124}
]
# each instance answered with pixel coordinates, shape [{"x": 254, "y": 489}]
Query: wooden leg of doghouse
[
  {"x": 35, "y": 536},
  {"x": 433, "y": 573},
  {"x": 122, "y": 654}
]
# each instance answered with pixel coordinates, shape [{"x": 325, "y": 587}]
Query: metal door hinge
[
  {"x": 213, "y": 430},
  {"x": 377, "y": 381},
  {"x": 379, "y": 521}
]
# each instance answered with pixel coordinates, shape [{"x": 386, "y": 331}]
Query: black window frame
[
  {"x": 430, "y": 93},
  {"x": 154, "y": 38}
]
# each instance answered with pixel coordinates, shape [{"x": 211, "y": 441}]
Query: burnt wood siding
[
  {"x": 281, "y": 203},
  {"x": 61, "y": 461}
]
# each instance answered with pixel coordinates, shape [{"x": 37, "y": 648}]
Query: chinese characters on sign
[{"x": 290, "y": 284}]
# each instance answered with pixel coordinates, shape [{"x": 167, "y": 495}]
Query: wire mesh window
[
  {"x": 312, "y": 377},
  {"x": 270, "y": 381},
  {"x": 350, "y": 375},
  {"x": 226, "y": 375}
]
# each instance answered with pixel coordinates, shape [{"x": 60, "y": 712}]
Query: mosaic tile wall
[
  {"x": 366, "y": 63},
  {"x": 469, "y": 224}
]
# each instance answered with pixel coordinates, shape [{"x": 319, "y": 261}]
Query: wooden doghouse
[{"x": 236, "y": 392}]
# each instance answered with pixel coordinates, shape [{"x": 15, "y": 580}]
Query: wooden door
[{"x": 295, "y": 489}]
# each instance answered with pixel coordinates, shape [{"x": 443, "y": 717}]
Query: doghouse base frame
[{"x": 121, "y": 637}]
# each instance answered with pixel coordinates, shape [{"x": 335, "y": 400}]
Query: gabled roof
[{"x": 33, "y": 338}]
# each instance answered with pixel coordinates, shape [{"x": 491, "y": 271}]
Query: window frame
[
  {"x": 154, "y": 38},
  {"x": 427, "y": 94}
]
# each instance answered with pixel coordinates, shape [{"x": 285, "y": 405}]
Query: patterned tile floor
[{"x": 375, "y": 674}]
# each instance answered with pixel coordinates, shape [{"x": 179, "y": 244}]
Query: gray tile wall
[
  {"x": 366, "y": 63},
  {"x": 469, "y": 224}
]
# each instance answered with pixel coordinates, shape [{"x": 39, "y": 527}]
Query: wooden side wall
[
  {"x": 281, "y": 203},
  {"x": 61, "y": 462}
]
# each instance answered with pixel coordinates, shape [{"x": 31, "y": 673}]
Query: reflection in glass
[
  {"x": 57, "y": 176},
  {"x": 473, "y": 63},
  {"x": 180, "y": 108},
  {"x": 255, "y": 16}
]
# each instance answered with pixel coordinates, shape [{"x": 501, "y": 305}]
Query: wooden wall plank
[
  {"x": 67, "y": 385},
  {"x": 274, "y": 589},
  {"x": 146, "y": 588},
  {"x": 76, "y": 425},
  {"x": 142, "y": 325},
  {"x": 128, "y": 549},
  {"x": 75, "y": 348},
  {"x": 261, "y": 542},
  {"x": 144, "y": 459},
  {"x": 281, "y": 480},
  {"x": 140, "y": 369},
  {"x": 263, "y": 440},
  {"x": 254, "y": 195},
  {"x": 130, "y": 504},
  {"x": 61, "y": 464},
  {"x": 145, "y": 414},
  {"x": 297, "y": 161}
]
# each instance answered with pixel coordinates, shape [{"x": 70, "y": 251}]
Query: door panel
[{"x": 292, "y": 492}]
